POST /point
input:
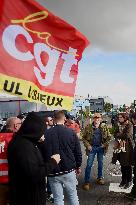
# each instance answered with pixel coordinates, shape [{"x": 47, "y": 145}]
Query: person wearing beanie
[
  {"x": 70, "y": 123},
  {"x": 27, "y": 169}
]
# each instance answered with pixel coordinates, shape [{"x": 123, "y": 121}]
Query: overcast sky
[{"x": 109, "y": 64}]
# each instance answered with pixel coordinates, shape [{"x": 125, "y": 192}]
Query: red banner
[{"x": 39, "y": 54}]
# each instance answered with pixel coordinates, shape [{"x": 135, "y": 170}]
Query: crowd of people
[{"x": 41, "y": 157}]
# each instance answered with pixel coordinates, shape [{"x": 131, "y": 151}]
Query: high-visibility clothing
[{"x": 4, "y": 141}]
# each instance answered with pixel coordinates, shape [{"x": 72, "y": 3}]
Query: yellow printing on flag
[{"x": 29, "y": 91}]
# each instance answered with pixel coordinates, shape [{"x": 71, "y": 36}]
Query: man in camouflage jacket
[{"x": 96, "y": 139}]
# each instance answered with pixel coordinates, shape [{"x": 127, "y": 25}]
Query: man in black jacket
[{"x": 63, "y": 141}]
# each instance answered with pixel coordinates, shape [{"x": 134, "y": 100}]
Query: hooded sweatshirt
[{"x": 27, "y": 169}]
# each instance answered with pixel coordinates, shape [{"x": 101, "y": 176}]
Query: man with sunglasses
[
  {"x": 96, "y": 140},
  {"x": 49, "y": 122}
]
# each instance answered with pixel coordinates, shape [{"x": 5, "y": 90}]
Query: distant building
[{"x": 96, "y": 105}]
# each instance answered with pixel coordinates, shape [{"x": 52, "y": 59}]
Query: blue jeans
[
  {"x": 67, "y": 181},
  {"x": 100, "y": 152}
]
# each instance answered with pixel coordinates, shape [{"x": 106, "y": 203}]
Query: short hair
[
  {"x": 47, "y": 118},
  {"x": 124, "y": 115},
  {"x": 58, "y": 115},
  {"x": 10, "y": 122}
]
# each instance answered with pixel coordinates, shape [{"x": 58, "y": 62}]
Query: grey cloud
[{"x": 109, "y": 24}]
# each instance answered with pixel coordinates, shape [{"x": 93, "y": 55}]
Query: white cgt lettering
[
  {"x": 50, "y": 67},
  {"x": 9, "y": 42},
  {"x": 69, "y": 60}
]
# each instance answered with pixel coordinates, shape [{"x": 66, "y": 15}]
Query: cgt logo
[{"x": 69, "y": 57}]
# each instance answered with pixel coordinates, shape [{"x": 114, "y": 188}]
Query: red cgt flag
[{"x": 39, "y": 54}]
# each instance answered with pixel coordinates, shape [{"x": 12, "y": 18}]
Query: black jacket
[
  {"x": 64, "y": 141},
  {"x": 134, "y": 133},
  {"x": 27, "y": 169}
]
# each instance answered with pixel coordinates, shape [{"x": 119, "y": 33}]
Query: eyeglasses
[{"x": 19, "y": 123}]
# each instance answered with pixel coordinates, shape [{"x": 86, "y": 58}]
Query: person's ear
[{"x": 15, "y": 126}]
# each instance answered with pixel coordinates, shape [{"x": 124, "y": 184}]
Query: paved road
[{"x": 100, "y": 195}]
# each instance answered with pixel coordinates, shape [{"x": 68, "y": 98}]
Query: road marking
[
  {"x": 118, "y": 175},
  {"x": 115, "y": 175},
  {"x": 114, "y": 187}
]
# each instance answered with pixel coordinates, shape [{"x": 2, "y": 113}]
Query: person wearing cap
[
  {"x": 70, "y": 123},
  {"x": 96, "y": 139},
  {"x": 27, "y": 169}
]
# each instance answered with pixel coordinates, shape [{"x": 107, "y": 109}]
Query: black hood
[{"x": 33, "y": 127}]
